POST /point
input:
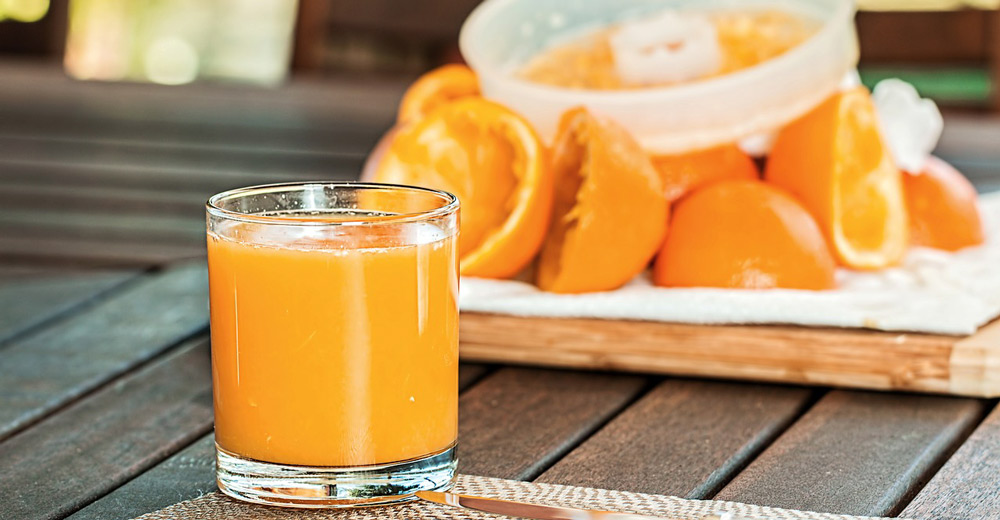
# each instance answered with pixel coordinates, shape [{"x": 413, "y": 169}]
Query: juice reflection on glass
[{"x": 334, "y": 342}]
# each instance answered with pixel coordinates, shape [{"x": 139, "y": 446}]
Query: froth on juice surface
[{"x": 337, "y": 350}]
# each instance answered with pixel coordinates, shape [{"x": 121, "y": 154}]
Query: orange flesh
[
  {"x": 833, "y": 160},
  {"x": 485, "y": 151},
  {"x": 569, "y": 167},
  {"x": 746, "y": 38},
  {"x": 861, "y": 152},
  {"x": 334, "y": 354},
  {"x": 474, "y": 151},
  {"x": 435, "y": 88},
  {"x": 609, "y": 214},
  {"x": 494, "y": 162}
]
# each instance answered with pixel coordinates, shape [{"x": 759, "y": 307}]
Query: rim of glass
[{"x": 450, "y": 204}]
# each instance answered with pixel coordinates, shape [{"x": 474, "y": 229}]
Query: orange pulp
[{"x": 746, "y": 38}]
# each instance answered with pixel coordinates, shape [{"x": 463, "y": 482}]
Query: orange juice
[{"x": 334, "y": 350}]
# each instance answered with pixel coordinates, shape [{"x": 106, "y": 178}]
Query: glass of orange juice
[{"x": 334, "y": 342}]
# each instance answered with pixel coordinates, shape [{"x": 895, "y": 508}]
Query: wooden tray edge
[{"x": 853, "y": 358}]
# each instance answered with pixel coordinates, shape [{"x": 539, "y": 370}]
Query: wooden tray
[{"x": 857, "y": 358}]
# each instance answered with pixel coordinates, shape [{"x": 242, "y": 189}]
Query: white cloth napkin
[{"x": 932, "y": 291}]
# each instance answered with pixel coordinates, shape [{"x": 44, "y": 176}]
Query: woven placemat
[{"x": 216, "y": 506}]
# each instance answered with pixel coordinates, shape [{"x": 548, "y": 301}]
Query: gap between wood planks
[
  {"x": 579, "y": 466},
  {"x": 82, "y": 453},
  {"x": 84, "y": 395},
  {"x": 940, "y": 461},
  {"x": 861, "y": 453},
  {"x": 650, "y": 383},
  {"x": 120, "y": 280},
  {"x": 173, "y": 345},
  {"x": 188, "y": 471},
  {"x": 814, "y": 397}
]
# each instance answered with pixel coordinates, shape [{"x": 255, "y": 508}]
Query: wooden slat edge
[
  {"x": 975, "y": 363},
  {"x": 822, "y": 356}
]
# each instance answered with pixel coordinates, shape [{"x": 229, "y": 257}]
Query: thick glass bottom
[{"x": 332, "y": 487}]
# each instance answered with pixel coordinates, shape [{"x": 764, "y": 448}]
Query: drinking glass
[{"x": 334, "y": 323}]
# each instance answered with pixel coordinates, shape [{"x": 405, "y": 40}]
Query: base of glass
[{"x": 332, "y": 487}]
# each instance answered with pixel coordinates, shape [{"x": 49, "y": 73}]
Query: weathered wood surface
[
  {"x": 125, "y": 154},
  {"x": 470, "y": 373},
  {"x": 188, "y": 474},
  {"x": 309, "y": 106},
  {"x": 164, "y": 179},
  {"x": 104, "y": 253},
  {"x": 138, "y": 407},
  {"x": 153, "y": 228},
  {"x": 857, "y": 453},
  {"x": 787, "y": 354},
  {"x": 684, "y": 438},
  {"x": 15, "y": 194},
  {"x": 517, "y": 422},
  {"x": 967, "y": 486},
  {"x": 98, "y": 443},
  {"x": 47, "y": 370},
  {"x": 15, "y": 272},
  {"x": 29, "y": 301}
]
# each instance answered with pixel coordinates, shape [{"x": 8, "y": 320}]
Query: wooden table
[{"x": 105, "y": 396}]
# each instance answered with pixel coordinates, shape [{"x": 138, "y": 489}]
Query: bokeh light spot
[
  {"x": 171, "y": 61},
  {"x": 24, "y": 10}
]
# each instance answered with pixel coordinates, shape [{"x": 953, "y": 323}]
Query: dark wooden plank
[
  {"x": 70, "y": 459},
  {"x": 967, "y": 486},
  {"x": 39, "y": 171},
  {"x": 471, "y": 373},
  {"x": 50, "y": 198},
  {"x": 993, "y": 27},
  {"x": 11, "y": 272},
  {"x": 74, "y": 152},
  {"x": 39, "y": 89},
  {"x": 265, "y": 131},
  {"x": 29, "y": 303},
  {"x": 857, "y": 453},
  {"x": 138, "y": 142},
  {"x": 47, "y": 370},
  {"x": 959, "y": 35},
  {"x": 103, "y": 225},
  {"x": 684, "y": 438},
  {"x": 517, "y": 422},
  {"x": 96, "y": 253},
  {"x": 351, "y": 139},
  {"x": 188, "y": 474},
  {"x": 431, "y": 21}
]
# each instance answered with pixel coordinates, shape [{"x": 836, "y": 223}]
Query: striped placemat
[{"x": 216, "y": 506}]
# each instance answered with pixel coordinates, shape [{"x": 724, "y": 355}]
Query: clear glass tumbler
[{"x": 334, "y": 342}]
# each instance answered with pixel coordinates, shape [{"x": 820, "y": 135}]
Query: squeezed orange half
[{"x": 334, "y": 353}]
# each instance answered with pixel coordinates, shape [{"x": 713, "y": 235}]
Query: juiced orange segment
[
  {"x": 491, "y": 158},
  {"x": 943, "y": 207},
  {"x": 686, "y": 172},
  {"x": 744, "y": 235},
  {"x": 834, "y": 161},
  {"x": 435, "y": 88},
  {"x": 610, "y": 213}
]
